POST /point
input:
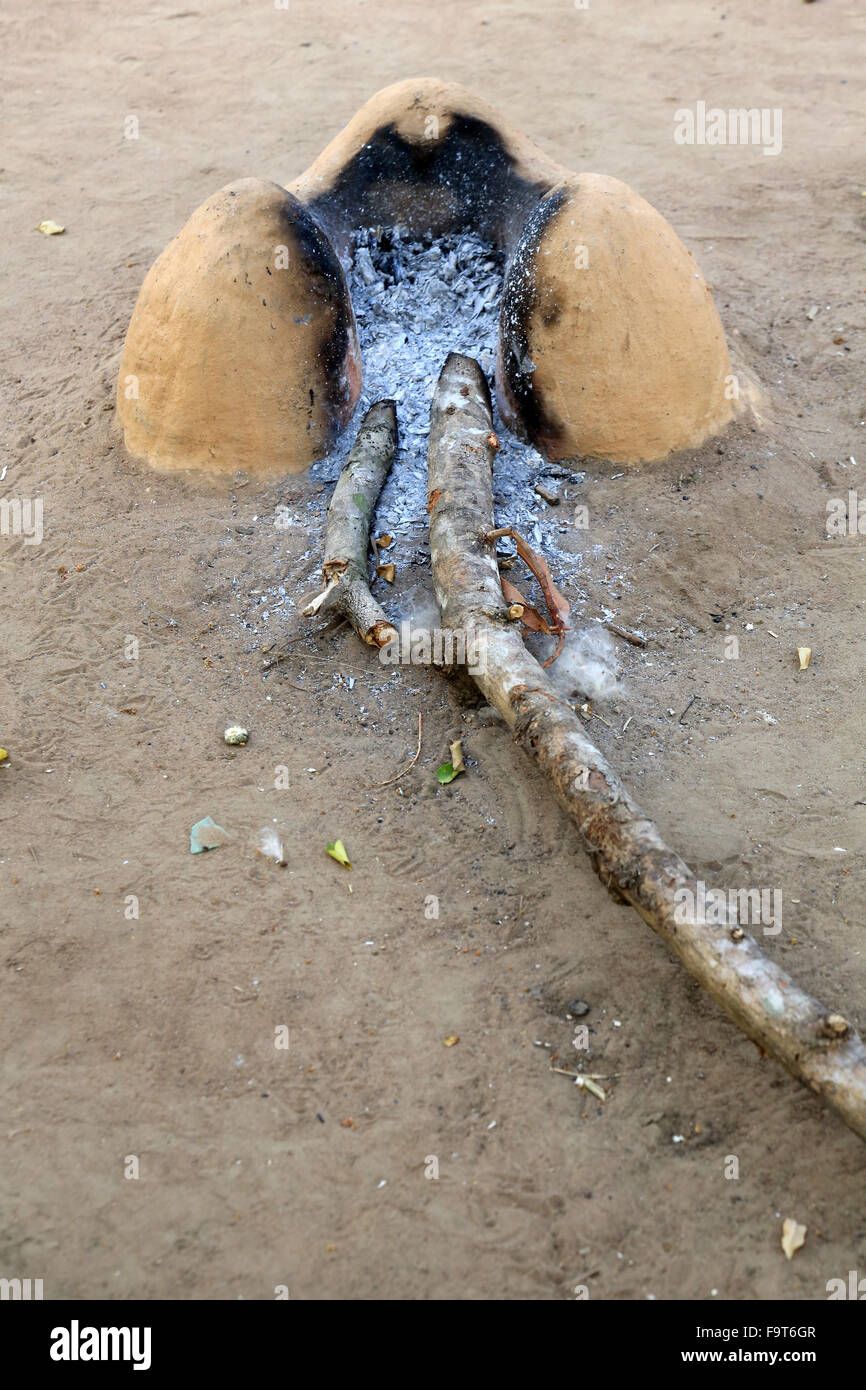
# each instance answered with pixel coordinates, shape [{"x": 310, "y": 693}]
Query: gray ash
[{"x": 416, "y": 301}]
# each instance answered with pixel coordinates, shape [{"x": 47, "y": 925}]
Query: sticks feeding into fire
[
  {"x": 626, "y": 849},
  {"x": 345, "y": 572}
]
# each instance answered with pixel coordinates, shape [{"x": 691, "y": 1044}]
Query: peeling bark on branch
[
  {"x": 815, "y": 1045},
  {"x": 345, "y": 573}
]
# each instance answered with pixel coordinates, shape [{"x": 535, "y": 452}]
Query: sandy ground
[{"x": 154, "y": 1037}]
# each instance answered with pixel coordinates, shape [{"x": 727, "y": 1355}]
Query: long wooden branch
[
  {"x": 816, "y": 1045},
  {"x": 345, "y": 572}
]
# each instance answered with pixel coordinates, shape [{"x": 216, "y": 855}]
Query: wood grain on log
[
  {"x": 346, "y": 570},
  {"x": 815, "y": 1044}
]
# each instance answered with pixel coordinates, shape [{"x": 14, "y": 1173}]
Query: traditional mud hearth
[{"x": 242, "y": 351}]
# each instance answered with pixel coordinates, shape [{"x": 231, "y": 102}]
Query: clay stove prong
[
  {"x": 610, "y": 345},
  {"x": 242, "y": 351}
]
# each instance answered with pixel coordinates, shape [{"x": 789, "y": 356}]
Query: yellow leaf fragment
[
  {"x": 793, "y": 1236},
  {"x": 337, "y": 850},
  {"x": 587, "y": 1085}
]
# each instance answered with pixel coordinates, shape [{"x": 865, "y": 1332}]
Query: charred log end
[
  {"x": 381, "y": 634},
  {"x": 834, "y": 1027}
]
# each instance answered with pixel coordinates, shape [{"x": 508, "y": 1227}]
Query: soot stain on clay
[
  {"x": 468, "y": 172},
  {"x": 338, "y": 338},
  {"x": 521, "y": 300}
]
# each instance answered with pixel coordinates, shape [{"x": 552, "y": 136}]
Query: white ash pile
[{"x": 416, "y": 301}]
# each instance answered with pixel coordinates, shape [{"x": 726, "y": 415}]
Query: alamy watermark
[
  {"x": 20, "y": 1290},
  {"x": 438, "y": 646},
  {"x": 721, "y": 907},
  {"x": 77, "y": 1343},
  {"x": 854, "y": 1289},
  {"x": 739, "y": 126},
  {"x": 846, "y": 519},
  {"x": 22, "y": 516}
]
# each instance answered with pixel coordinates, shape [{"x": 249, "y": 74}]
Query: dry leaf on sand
[{"x": 793, "y": 1236}]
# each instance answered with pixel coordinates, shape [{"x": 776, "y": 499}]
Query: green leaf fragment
[
  {"x": 446, "y": 773},
  {"x": 337, "y": 850}
]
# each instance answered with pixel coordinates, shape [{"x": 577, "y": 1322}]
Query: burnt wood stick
[
  {"x": 346, "y": 571},
  {"x": 815, "y": 1044}
]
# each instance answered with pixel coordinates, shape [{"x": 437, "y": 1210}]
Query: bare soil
[{"x": 153, "y": 1037}]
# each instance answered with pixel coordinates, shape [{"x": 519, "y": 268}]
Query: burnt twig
[{"x": 345, "y": 572}]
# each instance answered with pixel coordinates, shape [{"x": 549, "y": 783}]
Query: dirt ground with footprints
[{"x": 152, "y": 1036}]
